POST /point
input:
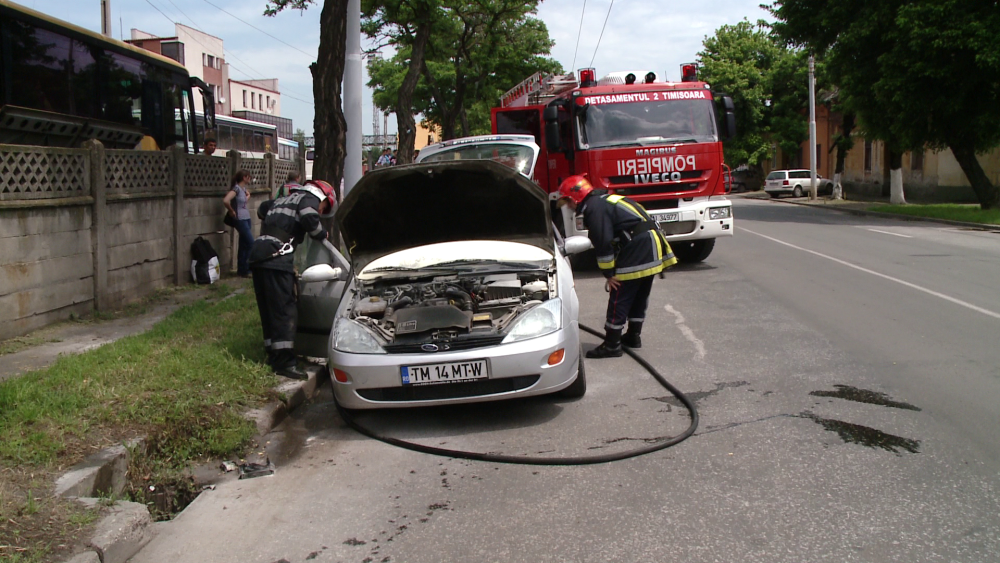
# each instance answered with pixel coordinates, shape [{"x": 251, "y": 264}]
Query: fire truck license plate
[
  {"x": 444, "y": 373},
  {"x": 664, "y": 217}
]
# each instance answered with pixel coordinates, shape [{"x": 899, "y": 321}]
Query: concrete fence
[{"x": 91, "y": 229}]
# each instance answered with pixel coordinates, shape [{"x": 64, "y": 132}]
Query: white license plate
[
  {"x": 444, "y": 373},
  {"x": 664, "y": 217}
]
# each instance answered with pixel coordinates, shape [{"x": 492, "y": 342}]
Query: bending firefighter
[
  {"x": 631, "y": 250},
  {"x": 285, "y": 224}
]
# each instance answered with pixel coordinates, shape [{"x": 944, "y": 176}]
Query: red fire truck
[{"x": 659, "y": 143}]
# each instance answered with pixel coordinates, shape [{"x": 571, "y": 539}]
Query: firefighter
[
  {"x": 630, "y": 249},
  {"x": 285, "y": 224}
]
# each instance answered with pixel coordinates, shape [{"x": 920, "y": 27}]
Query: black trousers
[
  {"x": 279, "y": 315},
  {"x": 628, "y": 302}
]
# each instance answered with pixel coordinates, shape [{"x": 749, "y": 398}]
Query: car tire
[
  {"x": 797, "y": 192},
  {"x": 692, "y": 251},
  {"x": 579, "y": 386}
]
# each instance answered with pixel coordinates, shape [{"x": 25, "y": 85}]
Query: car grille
[
  {"x": 456, "y": 390},
  {"x": 454, "y": 345},
  {"x": 678, "y": 227}
]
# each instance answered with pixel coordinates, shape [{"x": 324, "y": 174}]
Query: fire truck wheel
[{"x": 693, "y": 251}]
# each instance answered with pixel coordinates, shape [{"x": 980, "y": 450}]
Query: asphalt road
[{"x": 847, "y": 375}]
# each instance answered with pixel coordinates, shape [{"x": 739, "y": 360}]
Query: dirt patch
[{"x": 36, "y": 526}]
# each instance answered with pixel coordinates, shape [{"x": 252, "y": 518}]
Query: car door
[{"x": 318, "y": 300}]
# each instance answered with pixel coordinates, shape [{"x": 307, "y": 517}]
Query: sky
[{"x": 657, "y": 35}]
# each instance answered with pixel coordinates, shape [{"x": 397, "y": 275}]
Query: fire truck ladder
[{"x": 538, "y": 88}]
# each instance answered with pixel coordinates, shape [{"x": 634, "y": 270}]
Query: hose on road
[{"x": 530, "y": 460}]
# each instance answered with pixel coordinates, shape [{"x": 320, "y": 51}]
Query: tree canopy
[
  {"x": 479, "y": 49},
  {"x": 916, "y": 72}
]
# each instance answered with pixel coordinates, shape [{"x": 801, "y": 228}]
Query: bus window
[
  {"x": 225, "y": 136},
  {"x": 124, "y": 90},
  {"x": 39, "y": 58}
]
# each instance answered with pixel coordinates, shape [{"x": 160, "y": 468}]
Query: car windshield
[
  {"x": 460, "y": 256},
  {"x": 776, "y": 176},
  {"x": 646, "y": 122},
  {"x": 518, "y": 157}
]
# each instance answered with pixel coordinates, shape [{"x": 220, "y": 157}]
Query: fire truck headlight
[{"x": 719, "y": 213}]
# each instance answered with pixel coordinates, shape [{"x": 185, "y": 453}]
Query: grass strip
[
  {"x": 184, "y": 385},
  {"x": 968, "y": 213}
]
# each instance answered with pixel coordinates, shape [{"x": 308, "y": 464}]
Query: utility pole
[
  {"x": 106, "y": 18},
  {"x": 812, "y": 128},
  {"x": 353, "y": 89}
]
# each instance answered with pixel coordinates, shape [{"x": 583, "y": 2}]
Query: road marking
[
  {"x": 888, "y": 233},
  {"x": 686, "y": 331},
  {"x": 967, "y": 305}
]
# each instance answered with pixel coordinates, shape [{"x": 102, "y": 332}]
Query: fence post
[
  {"x": 270, "y": 172},
  {"x": 99, "y": 223},
  {"x": 178, "y": 159},
  {"x": 235, "y": 163}
]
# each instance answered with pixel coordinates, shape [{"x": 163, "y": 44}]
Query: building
[{"x": 257, "y": 101}]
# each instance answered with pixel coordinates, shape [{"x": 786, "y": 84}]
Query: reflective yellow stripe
[
  {"x": 606, "y": 265},
  {"x": 616, "y": 199},
  {"x": 641, "y": 273}
]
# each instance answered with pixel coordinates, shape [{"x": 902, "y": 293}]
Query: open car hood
[{"x": 400, "y": 207}]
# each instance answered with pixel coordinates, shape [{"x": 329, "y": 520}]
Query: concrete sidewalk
[{"x": 858, "y": 207}]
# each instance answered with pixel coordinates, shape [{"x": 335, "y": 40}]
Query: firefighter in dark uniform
[
  {"x": 285, "y": 224},
  {"x": 630, "y": 251}
]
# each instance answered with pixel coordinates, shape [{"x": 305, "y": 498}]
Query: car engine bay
[{"x": 470, "y": 310}]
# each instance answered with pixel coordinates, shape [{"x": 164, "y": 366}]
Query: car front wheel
[{"x": 579, "y": 387}]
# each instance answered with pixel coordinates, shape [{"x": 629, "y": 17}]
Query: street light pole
[
  {"x": 353, "y": 89},
  {"x": 812, "y": 128}
]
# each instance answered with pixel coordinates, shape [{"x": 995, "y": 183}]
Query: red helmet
[
  {"x": 575, "y": 188},
  {"x": 327, "y": 192}
]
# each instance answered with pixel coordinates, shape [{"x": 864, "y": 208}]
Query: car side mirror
[
  {"x": 321, "y": 273},
  {"x": 577, "y": 244}
]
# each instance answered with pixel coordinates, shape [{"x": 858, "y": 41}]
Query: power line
[
  {"x": 578, "y": 33},
  {"x": 259, "y": 29},
  {"x": 602, "y": 33}
]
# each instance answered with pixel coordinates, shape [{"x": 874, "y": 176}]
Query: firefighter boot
[
  {"x": 292, "y": 372},
  {"x": 612, "y": 346},
  {"x": 631, "y": 337}
]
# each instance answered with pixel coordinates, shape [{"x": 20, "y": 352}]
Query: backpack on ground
[{"x": 204, "y": 261}]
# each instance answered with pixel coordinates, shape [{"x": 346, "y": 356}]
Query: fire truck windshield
[{"x": 645, "y": 122}]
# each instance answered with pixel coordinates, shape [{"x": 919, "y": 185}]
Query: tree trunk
[
  {"x": 843, "y": 145},
  {"x": 328, "y": 76},
  {"x": 406, "y": 126},
  {"x": 987, "y": 194},
  {"x": 896, "y": 196}
]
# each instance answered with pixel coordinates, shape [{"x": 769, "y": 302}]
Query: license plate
[
  {"x": 664, "y": 217},
  {"x": 444, "y": 373}
]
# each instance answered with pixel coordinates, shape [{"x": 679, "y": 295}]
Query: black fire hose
[{"x": 526, "y": 460}]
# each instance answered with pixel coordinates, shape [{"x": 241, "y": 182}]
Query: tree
[
  {"x": 406, "y": 25},
  {"x": 329, "y": 124},
  {"x": 478, "y": 50},
  {"x": 739, "y": 60},
  {"x": 916, "y": 72}
]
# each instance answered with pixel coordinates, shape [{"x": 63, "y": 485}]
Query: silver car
[
  {"x": 458, "y": 290},
  {"x": 795, "y": 182}
]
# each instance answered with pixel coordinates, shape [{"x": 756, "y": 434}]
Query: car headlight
[
  {"x": 349, "y": 336},
  {"x": 719, "y": 213},
  {"x": 543, "y": 319}
]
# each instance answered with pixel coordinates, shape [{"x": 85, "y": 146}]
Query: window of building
[
  {"x": 253, "y": 101},
  {"x": 210, "y": 61},
  {"x": 268, "y": 106},
  {"x": 244, "y": 98},
  {"x": 260, "y": 101},
  {"x": 917, "y": 160},
  {"x": 868, "y": 156}
]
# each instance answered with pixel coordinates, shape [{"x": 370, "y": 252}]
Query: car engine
[{"x": 457, "y": 311}]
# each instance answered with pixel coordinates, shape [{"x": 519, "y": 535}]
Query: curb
[
  {"x": 128, "y": 527},
  {"x": 898, "y": 217}
]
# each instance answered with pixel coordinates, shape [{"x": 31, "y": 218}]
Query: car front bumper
[{"x": 519, "y": 369}]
